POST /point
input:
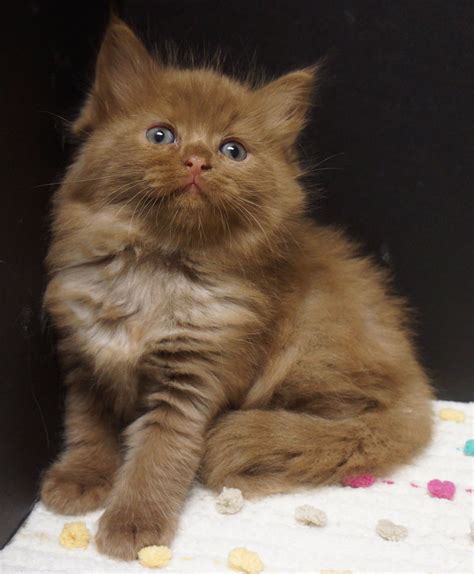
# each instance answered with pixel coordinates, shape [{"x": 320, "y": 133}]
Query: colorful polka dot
[
  {"x": 469, "y": 447},
  {"x": 359, "y": 481},
  {"x": 441, "y": 488},
  {"x": 451, "y": 415}
]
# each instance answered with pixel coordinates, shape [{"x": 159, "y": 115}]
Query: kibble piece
[
  {"x": 229, "y": 501},
  {"x": 311, "y": 516},
  {"x": 75, "y": 535},
  {"x": 390, "y": 531},
  {"x": 154, "y": 556},
  {"x": 244, "y": 560},
  {"x": 472, "y": 530}
]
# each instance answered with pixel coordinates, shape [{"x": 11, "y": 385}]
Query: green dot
[{"x": 469, "y": 447}]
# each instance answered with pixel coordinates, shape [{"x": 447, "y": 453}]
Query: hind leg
[{"x": 268, "y": 451}]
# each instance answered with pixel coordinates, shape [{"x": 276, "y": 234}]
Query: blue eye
[
  {"x": 160, "y": 135},
  {"x": 233, "y": 150}
]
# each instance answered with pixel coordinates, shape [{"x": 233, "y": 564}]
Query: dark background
[{"x": 392, "y": 131}]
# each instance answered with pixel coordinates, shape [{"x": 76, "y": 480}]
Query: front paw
[
  {"x": 123, "y": 532},
  {"x": 69, "y": 489}
]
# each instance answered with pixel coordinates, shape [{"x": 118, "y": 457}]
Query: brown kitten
[{"x": 206, "y": 325}]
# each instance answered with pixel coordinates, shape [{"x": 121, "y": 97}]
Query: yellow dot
[
  {"x": 74, "y": 535},
  {"x": 451, "y": 415},
  {"x": 154, "y": 556},
  {"x": 244, "y": 560}
]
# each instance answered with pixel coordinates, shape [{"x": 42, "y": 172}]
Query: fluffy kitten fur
[{"x": 218, "y": 334}]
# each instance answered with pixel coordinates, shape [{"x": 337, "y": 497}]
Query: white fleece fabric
[{"x": 438, "y": 538}]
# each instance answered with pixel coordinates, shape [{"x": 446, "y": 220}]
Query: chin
[
  {"x": 188, "y": 212},
  {"x": 192, "y": 198}
]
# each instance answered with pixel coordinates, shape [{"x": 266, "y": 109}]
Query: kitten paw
[
  {"x": 122, "y": 533},
  {"x": 71, "y": 491}
]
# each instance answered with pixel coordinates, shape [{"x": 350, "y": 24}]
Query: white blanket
[{"x": 438, "y": 530}]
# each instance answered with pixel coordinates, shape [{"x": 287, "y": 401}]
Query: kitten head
[{"x": 195, "y": 155}]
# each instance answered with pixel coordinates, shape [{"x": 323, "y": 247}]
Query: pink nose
[{"x": 197, "y": 164}]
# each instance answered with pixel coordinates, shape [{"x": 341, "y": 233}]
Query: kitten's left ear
[
  {"x": 123, "y": 68},
  {"x": 286, "y": 102}
]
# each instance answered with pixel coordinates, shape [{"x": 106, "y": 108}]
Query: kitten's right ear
[
  {"x": 123, "y": 67},
  {"x": 286, "y": 101}
]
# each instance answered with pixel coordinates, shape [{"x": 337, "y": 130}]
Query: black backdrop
[{"x": 393, "y": 128}]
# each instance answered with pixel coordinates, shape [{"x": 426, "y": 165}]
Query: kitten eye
[
  {"x": 160, "y": 135},
  {"x": 233, "y": 150}
]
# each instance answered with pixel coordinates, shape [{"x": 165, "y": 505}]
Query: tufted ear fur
[
  {"x": 286, "y": 102},
  {"x": 123, "y": 67}
]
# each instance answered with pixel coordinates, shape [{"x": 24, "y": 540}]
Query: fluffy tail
[{"x": 268, "y": 451}]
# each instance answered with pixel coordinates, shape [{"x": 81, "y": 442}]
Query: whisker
[
  {"x": 138, "y": 206},
  {"x": 223, "y": 218},
  {"x": 162, "y": 199},
  {"x": 69, "y": 122},
  {"x": 66, "y": 180},
  {"x": 125, "y": 189},
  {"x": 146, "y": 206},
  {"x": 155, "y": 201},
  {"x": 328, "y": 158},
  {"x": 245, "y": 212}
]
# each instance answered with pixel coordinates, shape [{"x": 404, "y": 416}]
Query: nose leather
[{"x": 197, "y": 164}]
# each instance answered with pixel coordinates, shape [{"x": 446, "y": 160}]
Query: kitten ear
[
  {"x": 286, "y": 101},
  {"x": 123, "y": 67}
]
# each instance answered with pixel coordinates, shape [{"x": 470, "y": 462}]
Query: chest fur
[{"x": 118, "y": 312}]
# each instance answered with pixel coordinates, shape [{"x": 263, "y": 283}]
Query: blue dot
[{"x": 469, "y": 447}]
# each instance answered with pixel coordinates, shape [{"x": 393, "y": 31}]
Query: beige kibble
[
  {"x": 75, "y": 535},
  {"x": 154, "y": 556},
  {"x": 244, "y": 560},
  {"x": 310, "y": 516},
  {"x": 229, "y": 501},
  {"x": 390, "y": 531}
]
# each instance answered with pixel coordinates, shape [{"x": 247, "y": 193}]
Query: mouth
[{"x": 191, "y": 189}]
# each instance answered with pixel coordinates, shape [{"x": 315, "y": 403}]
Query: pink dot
[
  {"x": 359, "y": 481},
  {"x": 388, "y": 481},
  {"x": 414, "y": 485},
  {"x": 441, "y": 488}
]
